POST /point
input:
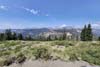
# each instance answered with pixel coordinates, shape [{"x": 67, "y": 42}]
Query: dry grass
[{"x": 63, "y": 50}]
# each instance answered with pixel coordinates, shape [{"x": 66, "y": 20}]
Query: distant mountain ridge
[{"x": 36, "y": 31}]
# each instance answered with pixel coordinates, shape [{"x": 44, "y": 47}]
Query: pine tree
[
  {"x": 56, "y": 38},
  {"x": 20, "y": 36},
  {"x": 83, "y": 33},
  {"x": 8, "y": 34},
  {"x": 99, "y": 38},
  {"x": 49, "y": 38},
  {"x": 64, "y": 34},
  {"x": 28, "y": 37},
  {"x": 2, "y": 36},
  {"x": 89, "y": 33},
  {"x": 86, "y": 33},
  {"x": 14, "y": 36}
]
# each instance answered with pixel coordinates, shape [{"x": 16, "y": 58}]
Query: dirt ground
[{"x": 56, "y": 63}]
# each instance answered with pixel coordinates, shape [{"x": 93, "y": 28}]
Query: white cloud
[
  {"x": 96, "y": 25},
  {"x": 2, "y": 7},
  {"x": 33, "y": 11},
  {"x": 64, "y": 25}
]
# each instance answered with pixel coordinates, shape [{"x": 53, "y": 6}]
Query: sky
[{"x": 19, "y": 14}]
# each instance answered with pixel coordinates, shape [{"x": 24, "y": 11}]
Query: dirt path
[{"x": 57, "y": 63}]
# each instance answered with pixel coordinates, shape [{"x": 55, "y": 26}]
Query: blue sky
[{"x": 48, "y": 13}]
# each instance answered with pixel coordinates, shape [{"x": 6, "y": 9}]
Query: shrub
[
  {"x": 63, "y": 43},
  {"x": 73, "y": 57},
  {"x": 92, "y": 56},
  {"x": 7, "y": 61},
  {"x": 20, "y": 58},
  {"x": 42, "y": 53}
]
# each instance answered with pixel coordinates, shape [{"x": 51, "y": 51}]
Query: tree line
[
  {"x": 85, "y": 35},
  {"x": 9, "y": 35}
]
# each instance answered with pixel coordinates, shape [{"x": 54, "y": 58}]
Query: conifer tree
[
  {"x": 8, "y": 34},
  {"x": 99, "y": 38},
  {"x": 2, "y": 36},
  {"x": 20, "y": 36},
  {"x": 14, "y": 36},
  {"x": 49, "y": 38},
  {"x": 56, "y": 38},
  {"x": 64, "y": 34},
  {"x": 83, "y": 33},
  {"x": 28, "y": 37},
  {"x": 86, "y": 33},
  {"x": 89, "y": 33}
]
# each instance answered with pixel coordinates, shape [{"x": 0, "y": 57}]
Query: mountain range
[{"x": 36, "y": 31}]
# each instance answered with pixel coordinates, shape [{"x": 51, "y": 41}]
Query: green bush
[
  {"x": 20, "y": 58},
  {"x": 73, "y": 57},
  {"x": 62, "y": 43},
  {"x": 5, "y": 53},
  {"x": 85, "y": 51},
  {"x": 42, "y": 53},
  {"x": 7, "y": 61},
  {"x": 92, "y": 56}
]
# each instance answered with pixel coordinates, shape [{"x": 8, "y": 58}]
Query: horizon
[{"x": 17, "y": 14}]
